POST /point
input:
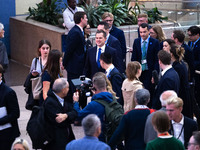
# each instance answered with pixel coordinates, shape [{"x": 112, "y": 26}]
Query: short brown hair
[
  {"x": 107, "y": 14},
  {"x": 132, "y": 69},
  {"x": 142, "y": 15},
  {"x": 160, "y": 121},
  {"x": 164, "y": 57},
  {"x": 78, "y": 15},
  {"x": 179, "y": 34}
]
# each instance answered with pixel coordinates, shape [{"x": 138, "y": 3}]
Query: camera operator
[{"x": 100, "y": 93}]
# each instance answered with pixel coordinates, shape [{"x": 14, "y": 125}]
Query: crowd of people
[{"x": 159, "y": 94}]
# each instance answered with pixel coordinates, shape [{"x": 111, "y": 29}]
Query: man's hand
[
  {"x": 61, "y": 117},
  {"x": 76, "y": 97}
]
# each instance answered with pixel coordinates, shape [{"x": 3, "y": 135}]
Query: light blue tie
[{"x": 98, "y": 58}]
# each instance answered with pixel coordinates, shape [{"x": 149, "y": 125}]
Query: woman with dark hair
[
  {"x": 177, "y": 54},
  {"x": 131, "y": 84},
  {"x": 39, "y": 62},
  {"x": 157, "y": 32},
  {"x": 165, "y": 141},
  {"x": 37, "y": 66},
  {"x": 167, "y": 44},
  {"x": 51, "y": 71},
  {"x": 87, "y": 32}
]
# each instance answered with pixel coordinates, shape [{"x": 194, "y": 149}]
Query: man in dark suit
[
  {"x": 9, "y": 113},
  {"x": 92, "y": 64},
  {"x": 178, "y": 36},
  {"x": 145, "y": 51},
  {"x": 116, "y": 32},
  {"x": 74, "y": 58},
  {"x": 194, "y": 44},
  {"x": 169, "y": 80},
  {"x": 114, "y": 43},
  {"x": 113, "y": 75},
  {"x": 59, "y": 115},
  {"x": 181, "y": 127}
]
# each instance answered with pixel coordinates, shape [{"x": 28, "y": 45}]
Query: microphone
[{"x": 155, "y": 76}]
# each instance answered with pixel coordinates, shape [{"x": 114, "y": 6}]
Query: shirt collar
[
  {"x": 163, "y": 72},
  {"x": 147, "y": 40},
  {"x": 181, "y": 122},
  {"x": 61, "y": 100},
  {"x": 80, "y": 27},
  {"x": 107, "y": 38},
  {"x": 1, "y": 81},
  {"x": 110, "y": 68},
  {"x": 74, "y": 11},
  {"x": 102, "y": 48},
  {"x": 141, "y": 107}
]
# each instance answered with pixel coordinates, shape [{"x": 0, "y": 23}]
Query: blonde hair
[
  {"x": 177, "y": 52},
  {"x": 178, "y": 102},
  {"x": 108, "y": 84},
  {"x": 160, "y": 33},
  {"x": 23, "y": 142},
  {"x": 107, "y": 14}
]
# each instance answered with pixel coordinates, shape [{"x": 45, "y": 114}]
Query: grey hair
[
  {"x": 1, "y": 26},
  {"x": 59, "y": 84},
  {"x": 142, "y": 96},
  {"x": 99, "y": 82},
  {"x": 23, "y": 142},
  {"x": 90, "y": 124},
  {"x": 166, "y": 96}
]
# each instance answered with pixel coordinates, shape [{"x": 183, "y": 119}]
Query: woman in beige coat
[{"x": 131, "y": 84}]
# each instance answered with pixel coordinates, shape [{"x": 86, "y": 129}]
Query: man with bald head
[
  {"x": 59, "y": 115},
  {"x": 149, "y": 132}
]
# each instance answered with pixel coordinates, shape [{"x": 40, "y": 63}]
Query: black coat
[
  {"x": 62, "y": 132},
  {"x": 9, "y": 100}
]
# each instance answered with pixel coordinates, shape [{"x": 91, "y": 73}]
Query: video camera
[{"x": 83, "y": 85}]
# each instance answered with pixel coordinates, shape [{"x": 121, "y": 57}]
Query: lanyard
[{"x": 179, "y": 133}]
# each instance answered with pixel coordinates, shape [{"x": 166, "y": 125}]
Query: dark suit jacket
[
  {"x": 189, "y": 127},
  {"x": 74, "y": 58},
  {"x": 62, "y": 132},
  {"x": 184, "y": 94},
  {"x": 119, "y": 34},
  {"x": 116, "y": 82},
  {"x": 196, "y": 53},
  {"x": 91, "y": 65},
  {"x": 9, "y": 100},
  {"x": 114, "y": 43},
  {"x": 153, "y": 48},
  {"x": 189, "y": 58},
  {"x": 169, "y": 81}
]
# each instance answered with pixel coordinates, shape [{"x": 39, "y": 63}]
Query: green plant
[
  {"x": 155, "y": 15},
  {"x": 47, "y": 11}
]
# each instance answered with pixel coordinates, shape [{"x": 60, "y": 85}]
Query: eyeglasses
[{"x": 191, "y": 34}]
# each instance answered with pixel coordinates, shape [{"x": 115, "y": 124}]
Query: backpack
[
  {"x": 113, "y": 115},
  {"x": 36, "y": 128}
]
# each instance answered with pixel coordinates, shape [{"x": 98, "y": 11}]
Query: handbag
[
  {"x": 37, "y": 85},
  {"x": 27, "y": 84}
]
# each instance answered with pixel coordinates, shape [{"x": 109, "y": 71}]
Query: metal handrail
[{"x": 170, "y": 1}]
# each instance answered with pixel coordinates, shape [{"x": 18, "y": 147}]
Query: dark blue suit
[
  {"x": 189, "y": 58},
  {"x": 184, "y": 94},
  {"x": 196, "y": 52},
  {"x": 74, "y": 58},
  {"x": 119, "y": 34},
  {"x": 91, "y": 64},
  {"x": 114, "y": 43},
  {"x": 116, "y": 82},
  {"x": 169, "y": 81},
  {"x": 8, "y": 99},
  {"x": 152, "y": 59},
  {"x": 189, "y": 126}
]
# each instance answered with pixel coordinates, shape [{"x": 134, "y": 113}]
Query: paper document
[{"x": 3, "y": 113}]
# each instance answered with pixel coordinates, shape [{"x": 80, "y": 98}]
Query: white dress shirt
[
  {"x": 68, "y": 16},
  {"x": 178, "y": 130},
  {"x": 165, "y": 70}
]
